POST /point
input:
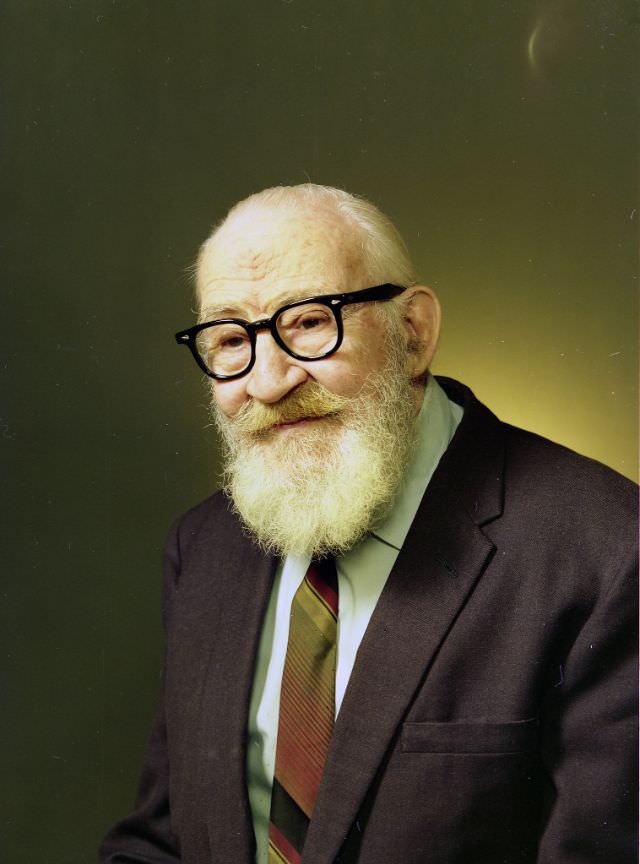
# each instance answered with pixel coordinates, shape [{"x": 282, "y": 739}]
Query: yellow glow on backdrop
[{"x": 571, "y": 378}]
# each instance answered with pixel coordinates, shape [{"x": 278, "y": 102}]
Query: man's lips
[
  {"x": 301, "y": 421},
  {"x": 289, "y": 424},
  {"x": 283, "y": 425}
]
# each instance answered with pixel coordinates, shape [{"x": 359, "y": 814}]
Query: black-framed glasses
[{"x": 309, "y": 329}]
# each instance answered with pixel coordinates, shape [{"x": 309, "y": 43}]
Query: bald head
[
  {"x": 259, "y": 245},
  {"x": 349, "y": 233}
]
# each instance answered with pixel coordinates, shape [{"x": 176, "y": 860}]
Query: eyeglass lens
[{"x": 309, "y": 330}]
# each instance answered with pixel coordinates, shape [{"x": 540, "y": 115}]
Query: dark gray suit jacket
[{"x": 489, "y": 718}]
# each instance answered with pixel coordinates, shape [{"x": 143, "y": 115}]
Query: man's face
[
  {"x": 316, "y": 451},
  {"x": 263, "y": 263}
]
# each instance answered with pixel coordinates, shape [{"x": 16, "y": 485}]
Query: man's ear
[{"x": 422, "y": 322}]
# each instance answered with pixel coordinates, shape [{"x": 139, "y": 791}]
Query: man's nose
[{"x": 275, "y": 373}]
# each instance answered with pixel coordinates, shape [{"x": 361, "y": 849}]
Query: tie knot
[{"x": 323, "y": 578}]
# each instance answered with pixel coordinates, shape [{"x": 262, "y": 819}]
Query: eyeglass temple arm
[{"x": 378, "y": 292}]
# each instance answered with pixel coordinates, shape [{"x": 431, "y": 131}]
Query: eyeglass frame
[{"x": 335, "y": 302}]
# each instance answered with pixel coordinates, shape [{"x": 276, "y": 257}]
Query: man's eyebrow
[{"x": 219, "y": 310}]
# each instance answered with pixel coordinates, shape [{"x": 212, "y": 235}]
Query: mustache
[{"x": 311, "y": 400}]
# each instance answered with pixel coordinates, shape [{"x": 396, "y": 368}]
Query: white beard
[{"x": 318, "y": 489}]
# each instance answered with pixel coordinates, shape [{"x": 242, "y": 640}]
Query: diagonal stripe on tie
[{"x": 307, "y": 711}]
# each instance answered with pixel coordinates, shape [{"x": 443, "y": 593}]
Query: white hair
[{"x": 384, "y": 253}]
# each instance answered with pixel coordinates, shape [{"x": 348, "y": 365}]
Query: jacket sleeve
[
  {"x": 145, "y": 836},
  {"x": 589, "y": 736}
]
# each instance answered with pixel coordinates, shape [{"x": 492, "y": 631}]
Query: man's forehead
[{"x": 269, "y": 247}]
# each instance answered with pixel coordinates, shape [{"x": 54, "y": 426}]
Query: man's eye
[
  {"x": 232, "y": 342},
  {"x": 312, "y": 320},
  {"x": 227, "y": 340},
  {"x": 309, "y": 323}
]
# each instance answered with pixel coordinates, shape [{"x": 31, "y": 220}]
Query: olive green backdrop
[{"x": 501, "y": 137}]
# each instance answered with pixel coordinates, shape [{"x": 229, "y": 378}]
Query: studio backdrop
[{"x": 501, "y": 137}]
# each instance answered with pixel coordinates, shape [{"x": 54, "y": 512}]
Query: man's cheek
[{"x": 228, "y": 399}]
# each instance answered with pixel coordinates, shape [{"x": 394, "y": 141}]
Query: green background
[{"x": 500, "y": 136}]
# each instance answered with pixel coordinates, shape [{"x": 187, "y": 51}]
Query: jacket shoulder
[
  {"x": 568, "y": 503},
  {"x": 553, "y": 469},
  {"x": 535, "y": 477},
  {"x": 209, "y": 531},
  {"x": 212, "y": 510}
]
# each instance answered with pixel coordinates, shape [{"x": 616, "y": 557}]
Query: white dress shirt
[{"x": 362, "y": 574}]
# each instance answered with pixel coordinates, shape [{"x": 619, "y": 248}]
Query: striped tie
[{"x": 307, "y": 710}]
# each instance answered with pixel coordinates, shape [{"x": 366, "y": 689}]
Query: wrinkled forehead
[{"x": 318, "y": 251}]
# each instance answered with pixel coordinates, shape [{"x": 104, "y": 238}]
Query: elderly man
[{"x": 404, "y": 632}]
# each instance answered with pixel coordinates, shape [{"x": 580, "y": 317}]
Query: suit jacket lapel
[{"x": 443, "y": 556}]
